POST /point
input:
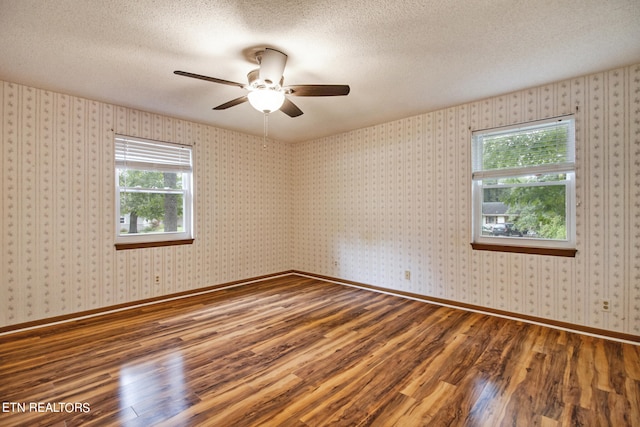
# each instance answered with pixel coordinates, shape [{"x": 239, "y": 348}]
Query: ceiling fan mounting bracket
[{"x": 259, "y": 55}]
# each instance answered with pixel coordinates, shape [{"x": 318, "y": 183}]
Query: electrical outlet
[
  {"x": 605, "y": 306},
  {"x": 335, "y": 263},
  {"x": 407, "y": 275},
  {"x": 157, "y": 280}
]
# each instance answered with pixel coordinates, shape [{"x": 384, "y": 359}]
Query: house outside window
[
  {"x": 154, "y": 192},
  {"x": 523, "y": 185}
]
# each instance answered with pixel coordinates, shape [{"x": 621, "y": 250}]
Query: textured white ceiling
[{"x": 401, "y": 58}]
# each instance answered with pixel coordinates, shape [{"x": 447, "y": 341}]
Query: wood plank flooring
[{"x": 294, "y": 351}]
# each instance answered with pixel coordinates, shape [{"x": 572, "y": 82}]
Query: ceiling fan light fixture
[{"x": 266, "y": 100}]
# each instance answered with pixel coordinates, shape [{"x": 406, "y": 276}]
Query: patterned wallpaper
[
  {"x": 376, "y": 202},
  {"x": 366, "y": 206},
  {"x": 58, "y": 209}
]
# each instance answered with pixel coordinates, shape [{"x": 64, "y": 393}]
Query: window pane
[
  {"x": 532, "y": 146},
  {"x": 537, "y": 211},
  {"x": 151, "y": 212},
  {"x": 144, "y": 179},
  {"x": 150, "y": 202}
]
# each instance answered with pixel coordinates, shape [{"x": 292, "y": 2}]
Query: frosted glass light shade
[{"x": 266, "y": 100}]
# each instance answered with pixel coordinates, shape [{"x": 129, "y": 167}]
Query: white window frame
[
  {"x": 567, "y": 168},
  {"x": 150, "y": 155}
]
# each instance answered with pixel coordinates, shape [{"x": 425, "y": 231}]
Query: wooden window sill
[
  {"x": 123, "y": 246},
  {"x": 525, "y": 250}
]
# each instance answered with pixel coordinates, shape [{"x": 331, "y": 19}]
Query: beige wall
[
  {"x": 395, "y": 197},
  {"x": 364, "y": 206},
  {"x": 58, "y": 207}
]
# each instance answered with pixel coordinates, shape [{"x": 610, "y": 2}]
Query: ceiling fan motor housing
[{"x": 272, "y": 63}]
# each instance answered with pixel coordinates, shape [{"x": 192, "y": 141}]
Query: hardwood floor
[{"x": 294, "y": 351}]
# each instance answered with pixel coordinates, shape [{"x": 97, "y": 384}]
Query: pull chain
[{"x": 266, "y": 131}]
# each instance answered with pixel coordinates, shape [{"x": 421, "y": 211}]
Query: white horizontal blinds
[
  {"x": 541, "y": 148},
  {"x": 144, "y": 154}
]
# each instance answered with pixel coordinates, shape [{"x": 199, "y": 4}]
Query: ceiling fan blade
[
  {"x": 207, "y": 78},
  {"x": 232, "y": 103},
  {"x": 317, "y": 90},
  {"x": 290, "y": 109},
  {"x": 272, "y": 64}
]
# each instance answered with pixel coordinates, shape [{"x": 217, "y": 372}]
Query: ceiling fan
[{"x": 265, "y": 86}]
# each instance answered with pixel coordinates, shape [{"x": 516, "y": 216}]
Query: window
[
  {"x": 154, "y": 189},
  {"x": 523, "y": 187}
]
